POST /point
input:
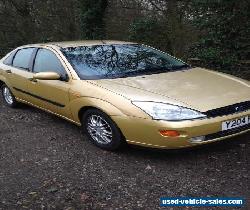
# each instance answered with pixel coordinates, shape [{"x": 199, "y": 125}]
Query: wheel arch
[
  {"x": 1, "y": 83},
  {"x": 79, "y": 106},
  {"x": 84, "y": 109}
]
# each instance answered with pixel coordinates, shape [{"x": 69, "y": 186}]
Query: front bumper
[{"x": 145, "y": 132}]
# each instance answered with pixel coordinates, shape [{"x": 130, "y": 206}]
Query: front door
[{"x": 52, "y": 95}]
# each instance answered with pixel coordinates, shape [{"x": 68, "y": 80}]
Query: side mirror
[{"x": 46, "y": 76}]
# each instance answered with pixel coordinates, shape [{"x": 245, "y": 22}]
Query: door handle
[
  {"x": 8, "y": 71},
  {"x": 32, "y": 80}
]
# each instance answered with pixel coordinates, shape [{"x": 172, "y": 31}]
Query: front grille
[
  {"x": 228, "y": 110},
  {"x": 226, "y": 133}
]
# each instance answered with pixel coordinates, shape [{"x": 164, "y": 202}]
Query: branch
[{"x": 157, "y": 7}]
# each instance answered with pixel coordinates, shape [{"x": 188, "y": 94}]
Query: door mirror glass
[{"x": 46, "y": 76}]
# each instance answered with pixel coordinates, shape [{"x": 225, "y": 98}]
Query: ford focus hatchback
[{"x": 122, "y": 92}]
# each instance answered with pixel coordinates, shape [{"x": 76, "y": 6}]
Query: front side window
[
  {"x": 119, "y": 60},
  {"x": 46, "y": 61},
  {"x": 22, "y": 58}
]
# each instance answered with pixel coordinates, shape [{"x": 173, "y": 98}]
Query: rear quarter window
[{"x": 9, "y": 59}]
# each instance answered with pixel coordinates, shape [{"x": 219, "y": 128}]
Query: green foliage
[
  {"x": 215, "y": 31},
  {"x": 225, "y": 31},
  {"x": 27, "y": 21},
  {"x": 92, "y": 18},
  {"x": 149, "y": 31}
]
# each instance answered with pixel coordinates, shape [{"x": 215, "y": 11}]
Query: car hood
[{"x": 196, "y": 88}]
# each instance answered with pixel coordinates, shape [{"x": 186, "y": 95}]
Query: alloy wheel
[
  {"x": 99, "y": 129},
  {"x": 8, "y": 96}
]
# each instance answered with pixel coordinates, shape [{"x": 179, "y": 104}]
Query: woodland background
[{"x": 208, "y": 33}]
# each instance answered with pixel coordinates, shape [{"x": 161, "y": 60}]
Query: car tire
[
  {"x": 8, "y": 96},
  {"x": 101, "y": 130}
]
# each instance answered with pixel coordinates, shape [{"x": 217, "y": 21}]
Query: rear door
[
  {"x": 18, "y": 72},
  {"x": 52, "y": 95}
]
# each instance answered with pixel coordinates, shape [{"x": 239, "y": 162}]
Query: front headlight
[{"x": 161, "y": 111}]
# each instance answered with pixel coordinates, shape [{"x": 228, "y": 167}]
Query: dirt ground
[{"x": 46, "y": 163}]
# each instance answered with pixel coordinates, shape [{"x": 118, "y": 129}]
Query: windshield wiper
[
  {"x": 184, "y": 66},
  {"x": 149, "y": 71},
  {"x": 145, "y": 72},
  {"x": 130, "y": 73}
]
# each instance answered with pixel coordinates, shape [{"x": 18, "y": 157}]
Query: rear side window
[
  {"x": 46, "y": 61},
  {"x": 22, "y": 58}
]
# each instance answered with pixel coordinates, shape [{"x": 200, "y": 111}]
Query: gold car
[{"x": 126, "y": 92}]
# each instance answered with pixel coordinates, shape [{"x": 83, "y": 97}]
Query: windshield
[{"x": 121, "y": 60}]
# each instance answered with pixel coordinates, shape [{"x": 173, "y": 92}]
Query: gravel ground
[{"x": 46, "y": 163}]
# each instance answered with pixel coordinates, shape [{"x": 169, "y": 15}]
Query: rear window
[{"x": 22, "y": 58}]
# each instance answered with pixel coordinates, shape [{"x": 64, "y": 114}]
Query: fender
[
  {"x": 78, "y": 104},
  {"x": 3, "y": 79}
]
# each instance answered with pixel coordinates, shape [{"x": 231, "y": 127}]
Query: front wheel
[
  {"x": 8, "y": 96},
  {"x": 101, "y": 130}
]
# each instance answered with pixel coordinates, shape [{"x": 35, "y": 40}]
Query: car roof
[{"x": 66, "y": 44}]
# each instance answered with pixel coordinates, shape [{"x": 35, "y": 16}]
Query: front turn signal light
[{"x": 169, "y": 133}]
